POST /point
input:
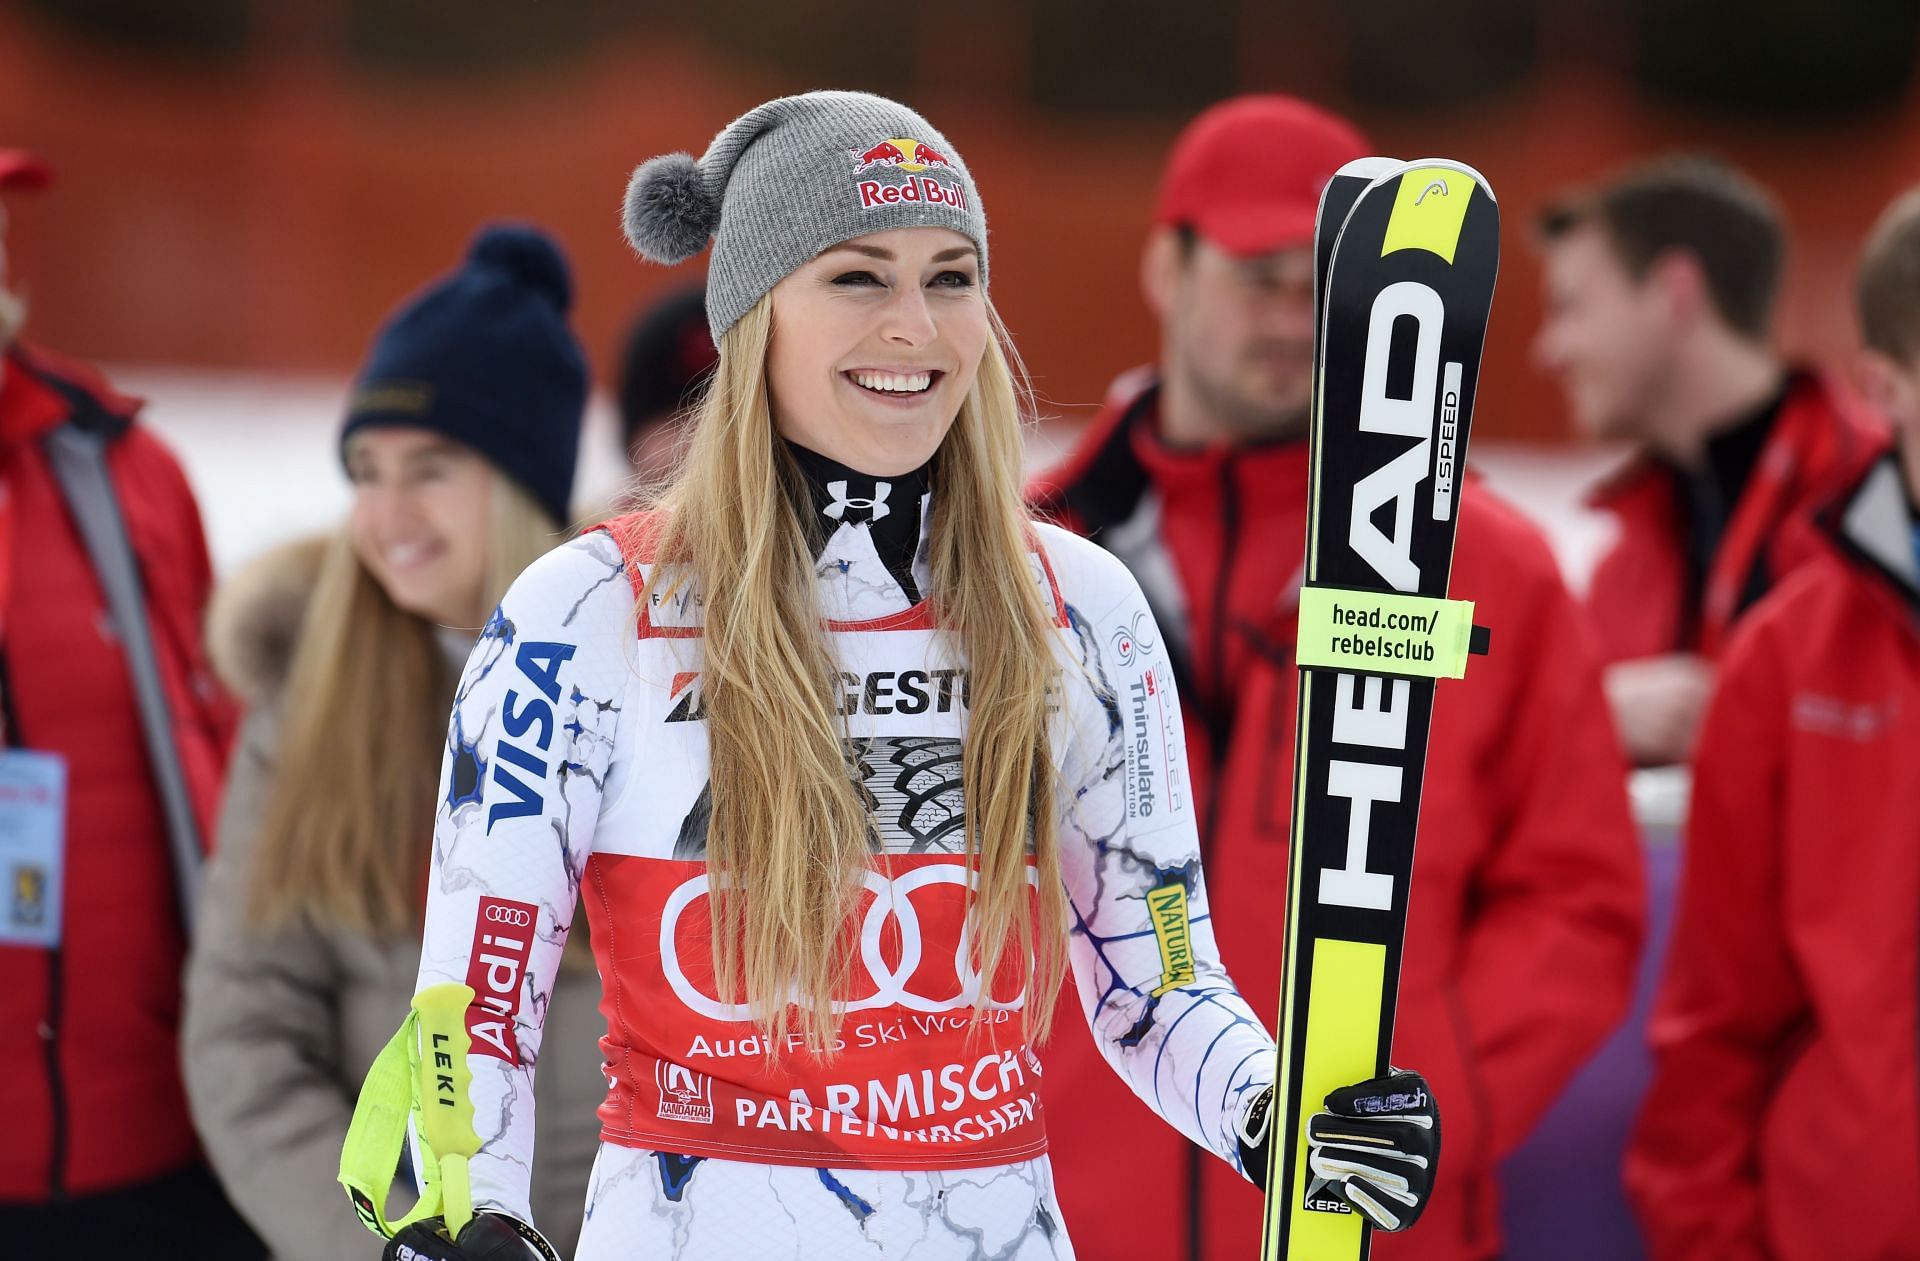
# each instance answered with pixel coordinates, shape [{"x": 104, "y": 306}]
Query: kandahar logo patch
[{"x": 685, "y": 1095}]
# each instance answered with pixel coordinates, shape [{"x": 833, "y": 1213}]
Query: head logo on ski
[{"x": 1405, "y": 260}]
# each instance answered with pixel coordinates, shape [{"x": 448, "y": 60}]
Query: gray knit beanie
[{"x": 791, "y": 178}]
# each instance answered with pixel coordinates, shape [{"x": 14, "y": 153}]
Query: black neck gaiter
[{"x": 888, "y": 508}]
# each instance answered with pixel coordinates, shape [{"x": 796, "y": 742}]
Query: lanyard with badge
[{"x": 33, "y": 799}]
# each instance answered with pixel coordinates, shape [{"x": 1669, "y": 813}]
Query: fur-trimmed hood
[{"x": 254, "y": 619}]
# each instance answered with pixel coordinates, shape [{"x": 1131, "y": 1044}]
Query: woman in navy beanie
[
  {"x": 460, "y": 440},
  {"x": 485, "y": 356}
]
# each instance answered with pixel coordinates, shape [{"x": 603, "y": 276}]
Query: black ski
[{"x": 1403, "y": 295}]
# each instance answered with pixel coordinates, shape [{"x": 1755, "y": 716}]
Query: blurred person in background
[
  {"x": 664, "y": 369},
  {"x": 113, "y": 740},
  {"x": 460, "y": 442},
  {"x": 1783, "y": 1123},
  {"x": 1659, "y": 292},
  {"x": 1526, "y": 903}
]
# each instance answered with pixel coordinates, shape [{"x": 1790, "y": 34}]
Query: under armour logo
[{"x": 877, "y": 505}]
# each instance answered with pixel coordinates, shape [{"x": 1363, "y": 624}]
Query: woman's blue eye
[
  {"x": 954, "y": 280},
  {"x": 856, "y": 278}
]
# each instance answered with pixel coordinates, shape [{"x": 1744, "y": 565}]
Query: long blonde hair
[
  {"x": 349, "y": 818},
  {"x": 788, "y": 834}
]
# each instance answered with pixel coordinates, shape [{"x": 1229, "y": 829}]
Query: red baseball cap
[
  {"x": 1247, "y": 174},
  {"x": 21, "y": 171}
]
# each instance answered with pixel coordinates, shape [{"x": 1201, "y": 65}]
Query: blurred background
[{"x": 245, "y": 186}]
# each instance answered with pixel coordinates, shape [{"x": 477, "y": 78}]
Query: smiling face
[
  {"x": 422, "y": 508},
  {"x": 875, "y": 344},
  {"x": 1606, "y": 337}
]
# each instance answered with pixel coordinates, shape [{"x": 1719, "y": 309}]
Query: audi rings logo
[
  {"x": 510, "y": 915},
  {"x": 877, "y": 983}
]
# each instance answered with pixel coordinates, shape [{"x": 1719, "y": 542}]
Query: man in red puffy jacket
[
  {"x": 98, "y": 1157},
  {"x": 1783, "y": 1122},
  {"x": 1526, "y": 903},
  {"x": 1660, "y": 288}
]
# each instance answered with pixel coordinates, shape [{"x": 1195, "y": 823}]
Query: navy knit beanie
[{"x": 485, "y": 357}]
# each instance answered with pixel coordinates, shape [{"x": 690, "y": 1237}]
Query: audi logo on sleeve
[
  {"x": 497, "y": 973},
  {"x": 908, "y": 1082}
]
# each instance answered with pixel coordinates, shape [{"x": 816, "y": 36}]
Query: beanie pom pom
[
  {"x": 530, "y": 256},
  {"x": 670, "y": 214}
]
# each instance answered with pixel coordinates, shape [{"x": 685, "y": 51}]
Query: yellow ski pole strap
[
  {"x": 444, "y": 1098},
  {"x": 1385, "y": 632},
  {"x": 420, "y": 1074}
]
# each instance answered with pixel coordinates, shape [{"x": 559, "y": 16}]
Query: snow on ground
[{"x": 259, "y": 450}]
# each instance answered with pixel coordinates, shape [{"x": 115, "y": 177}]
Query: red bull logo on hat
[
  {"x": 905, "y": 153},
  {"x": 912, "y": 157}
]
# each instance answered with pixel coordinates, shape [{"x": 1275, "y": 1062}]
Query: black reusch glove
[
  {"x": 1376, "y": 1147},
  {"x": 488, "y": 1237}
]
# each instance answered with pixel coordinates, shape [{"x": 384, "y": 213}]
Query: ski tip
[
  {"x": 1364, "y": 170},
  {"x": 1368, "y": 168},
  {"x": 1429, "y": 200},
  {"x": 1451, "y": 164}
]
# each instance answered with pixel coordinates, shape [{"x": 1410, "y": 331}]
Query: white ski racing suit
[{"x": 576, "y": 771}]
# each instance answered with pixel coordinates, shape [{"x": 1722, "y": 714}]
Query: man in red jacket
[
  {"x": 98, "y": 1156},
  {"x": 1660, "y": 287},
  {"x": 1783, "y": 1122},
  {"x": 1526, "y": 901}
]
